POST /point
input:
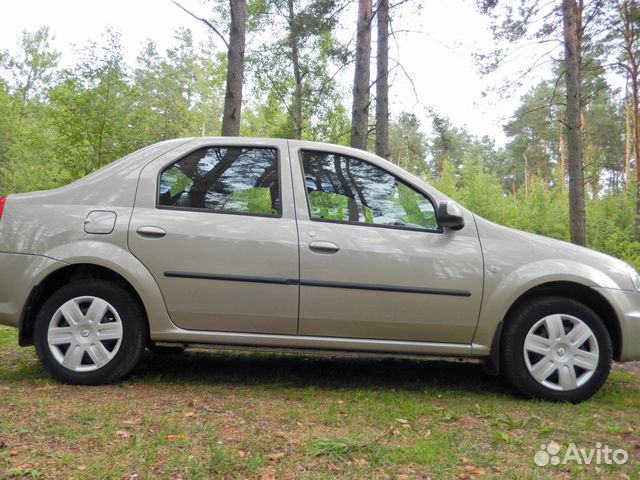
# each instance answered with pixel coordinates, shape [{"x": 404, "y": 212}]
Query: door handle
[
  {"x": 152, "y": 232},
  {"x": 320, "y": 246}
]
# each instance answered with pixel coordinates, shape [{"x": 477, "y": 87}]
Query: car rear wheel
[
  {"x": 557, "y": 349},
  {"x": 90, "y": 332}
]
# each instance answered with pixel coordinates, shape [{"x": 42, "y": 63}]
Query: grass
[{"x": 204, "y": 414}]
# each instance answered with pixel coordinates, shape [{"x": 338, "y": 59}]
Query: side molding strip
[
  {"x": 320, "y": 283},
  {"x": 385, "y": 288},
  {"x": 233, "y": 278}
]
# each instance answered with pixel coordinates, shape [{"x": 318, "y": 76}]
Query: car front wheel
[
  {"x": 90, "y": 332},
  {"x": 557, "y": 349}
]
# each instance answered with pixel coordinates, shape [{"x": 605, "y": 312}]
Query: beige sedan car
[{"x": 298, "y": 246}]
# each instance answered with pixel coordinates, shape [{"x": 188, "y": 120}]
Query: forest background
[{"x": 59, "y": 122}]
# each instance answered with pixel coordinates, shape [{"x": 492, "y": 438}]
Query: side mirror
[{"x": 450, "y": 215}]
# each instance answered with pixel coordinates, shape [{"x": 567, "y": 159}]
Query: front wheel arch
[
  {"x": 56, "y": 280},
  {"x": 581, "y": 294}
]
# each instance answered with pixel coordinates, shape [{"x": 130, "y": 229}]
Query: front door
[
  {"x": 374, "y": 262},
  {"x": 216, "y": 228}
]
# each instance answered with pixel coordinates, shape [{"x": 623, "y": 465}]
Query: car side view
[{"x": 299, "y": 246}]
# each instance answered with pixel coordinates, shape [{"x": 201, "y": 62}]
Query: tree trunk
[
  {"x": 382, "y": 81},
  {"x": 562, "y": 160},
  {"x": 360, "y": 109},
  {"x": 297, "y": 76},
  {"x": 545, "y": 167},
  {"x": 352, "y": 207},
  {"x": 636, "y": 138},
  {"x": 590, "y": 164},
  {"x": 526, "y": 175},
  {"x": 572, "y": 40},
  {"x": 235, "y": 69},
  {"x": 627, "y": 149}
]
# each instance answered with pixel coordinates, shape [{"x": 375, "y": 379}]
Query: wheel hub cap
[
  {"x": 84, "y": 334},
  {"x": 561, "y": 352}
]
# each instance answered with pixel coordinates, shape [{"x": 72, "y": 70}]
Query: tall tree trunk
[
  {"x": 545, "y": 166},
  {"x": 590, "y": 164},
  {"x": 297, "y": 76},
  {"x": 572, "y": 40},
  {"x": 636, "y": 139},
  {"x": 382, "y": 81},
  {"x": 352, "y": 206},
  {"x": 235, "y": 69},
  {"x": 360, "y": 109},
  {"x": 627, "y": 149},
  {"x": 526, "y": 175},
  {"x": 562, "y": 166}
]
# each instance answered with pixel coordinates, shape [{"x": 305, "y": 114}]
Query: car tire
[
  {"x": 90, "y": 332},
  {"x": 556, "y": 349}
]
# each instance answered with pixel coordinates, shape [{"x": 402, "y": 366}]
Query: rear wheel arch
[{"x": 59, "y": 278}]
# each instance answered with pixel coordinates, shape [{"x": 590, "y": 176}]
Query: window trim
[
  {"x": 158, "y": 206},
  {"x": 362, "y": 224}
]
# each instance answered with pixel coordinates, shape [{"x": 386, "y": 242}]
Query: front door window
[{"x": 350, "y": 190}]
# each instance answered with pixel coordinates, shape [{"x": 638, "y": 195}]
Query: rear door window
[{"x": 240, "y": 180}]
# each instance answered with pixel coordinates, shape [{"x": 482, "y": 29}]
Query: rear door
[{"x": 216, "y": 228}]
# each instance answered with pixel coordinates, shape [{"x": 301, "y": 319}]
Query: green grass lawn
[{"x": 208, "y": 414}]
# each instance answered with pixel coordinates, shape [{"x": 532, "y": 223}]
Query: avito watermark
[{"x": 550, "y": 453}]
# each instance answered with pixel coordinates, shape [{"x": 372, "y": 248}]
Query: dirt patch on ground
[{"x": 629, "y": 367}]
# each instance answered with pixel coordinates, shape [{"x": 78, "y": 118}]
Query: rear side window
[
  {"x": 350, "y": 190},
  {"x": 224, "y": 179}
]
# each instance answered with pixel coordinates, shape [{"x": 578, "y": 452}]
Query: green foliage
[
  {"x": 481, "y": 192},
  {"x": 407, "y": 144},
  {"x": 26, "y": 159},
  {"x": 544, "y": 210},
  {"x": 329, "y": 206},
  {"x": 267, "y": 119},
  {"x": 611, "y": 229},
  {"x": 91, "y": 109},
  {"x": 179, "y": 94},
  {"x": 534, "y": 132},
  {"x": 59, "y": 124},
  {"x": 32, "y": 68},
  {"x": 297, "y": 68},
  {"x": 540, "y": 212},
  {"x": 254, "y": 200},
  {"x": 409, "y": 201}
]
